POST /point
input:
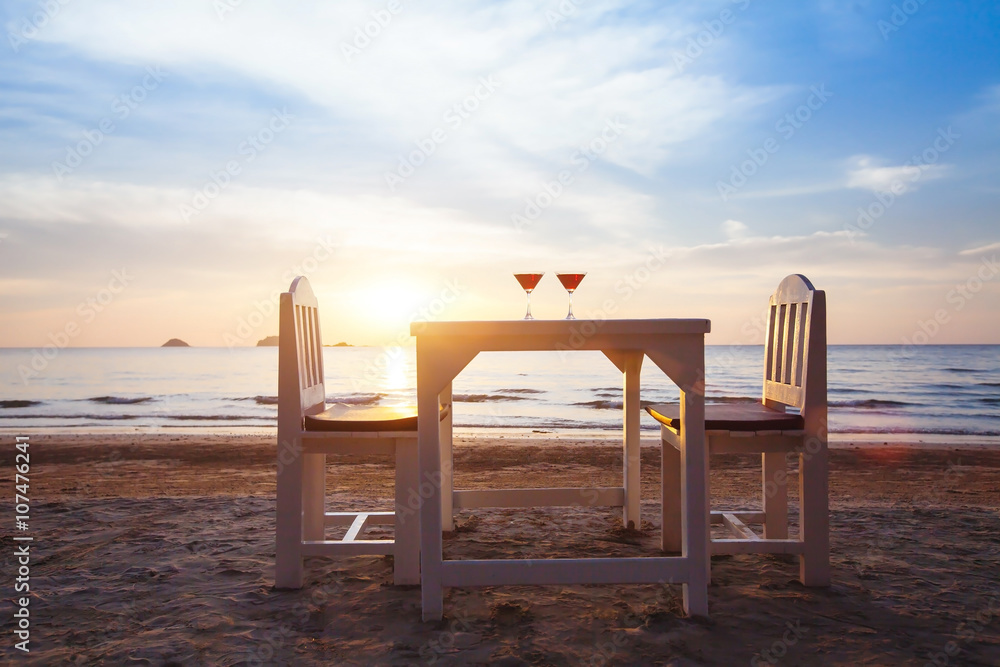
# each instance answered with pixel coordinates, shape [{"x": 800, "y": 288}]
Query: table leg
[
  {"x": 694, "y": 496},
  {"x": 429, "y": 456},
  {"x": 447, "y": 463},
  {"x": 630, "y": 440}
]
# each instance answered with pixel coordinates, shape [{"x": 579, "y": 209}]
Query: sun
[{"x": 388, "y": 304}]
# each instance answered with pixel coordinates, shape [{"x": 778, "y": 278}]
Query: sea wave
[
  {"x": 109, "y": 417},
  {"x": 118, "y": 400},
  {"x": 876, "y": 430},
  {"x": 16, "y": 403},
  {"x": 225, "y": 418},
  {"x": 352, "y": 399},
  {"x": 356, "y": 399},
  {"x": 484, "y": 398},
  {"x": 731, "y": 399},
  {"x": 521, "y": 391},
  {"x": 119, "y": 417},
  {"x": 601, "y": 404},
  {"x": 872, "y": 403}
]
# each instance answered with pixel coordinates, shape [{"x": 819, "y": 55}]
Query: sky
[{"x": 167, "y": 168}]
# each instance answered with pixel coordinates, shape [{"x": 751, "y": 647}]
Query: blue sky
[{"x": 707, "y": 150}]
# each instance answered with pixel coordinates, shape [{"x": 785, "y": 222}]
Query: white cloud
[
  {"x": 557, "y": 88},
  {"x": 867, "y": 175},
  {"x": 992, "y": 247},
  {"x": 734, "y": 229}
]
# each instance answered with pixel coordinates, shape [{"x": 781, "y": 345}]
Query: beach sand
[{"x": 159, "y": 549}]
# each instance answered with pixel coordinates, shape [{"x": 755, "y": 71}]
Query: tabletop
[{"x": 561, "y": 327}]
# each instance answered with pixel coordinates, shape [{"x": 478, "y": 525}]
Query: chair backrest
[
  {"x": 795, "y": 353},
  {"x": 301, "y": 389}
]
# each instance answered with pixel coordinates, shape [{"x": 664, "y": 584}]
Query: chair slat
[
  {"x": 319, "y": 348},
  {"x": 312, "y": 346},
  {"x": 769, "y": 352},
  {"x": 300, "y": 346},
  {"x": 800, "y": 342},
  {"x": 778, "y": 334},
  {"x": 789, "y": 338}
]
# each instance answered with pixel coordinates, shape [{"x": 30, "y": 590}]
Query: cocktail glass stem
[
  {"x": 570, "y": 315},
  {"x": 527, "y": 315}
]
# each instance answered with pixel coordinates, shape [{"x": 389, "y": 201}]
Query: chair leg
[
  {"x": 406, "y": 554},
  {"x": 670, "y": 485},
  {"x": 814, "y": 563},
  {"x": 313, "y": 496},
  {"x": 288, "y": 534},
  {"x": 775, "y": 487}
]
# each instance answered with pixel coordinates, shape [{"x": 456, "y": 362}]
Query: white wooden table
[{"x": 676, "y": 346}]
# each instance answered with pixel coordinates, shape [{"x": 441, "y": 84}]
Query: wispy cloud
[{"x": 867, "y": 175}]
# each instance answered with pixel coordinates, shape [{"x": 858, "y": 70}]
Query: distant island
[
  {"x": 272, "y": 341},
  {"x": 175, "y": 342}
]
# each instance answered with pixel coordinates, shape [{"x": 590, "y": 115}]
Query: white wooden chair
[
  {"x": 794, "y": 377},
  {"x": 308, "y": 431}
]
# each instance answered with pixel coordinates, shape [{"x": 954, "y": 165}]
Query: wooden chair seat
[
  {"x": 749, "y": 417},
  {"x": 343, "y": 418}
]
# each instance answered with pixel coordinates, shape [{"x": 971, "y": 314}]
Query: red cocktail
[
  {"x": 528, "y": 281},
  {"x": 570, "y": 281}
]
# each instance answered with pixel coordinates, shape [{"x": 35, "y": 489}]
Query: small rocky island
[
  {"x": 272, "y": 341},
  {"x": 175, "y": 342}
]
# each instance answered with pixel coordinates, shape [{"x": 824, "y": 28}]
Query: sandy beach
[{"x": 159, "y": 549}]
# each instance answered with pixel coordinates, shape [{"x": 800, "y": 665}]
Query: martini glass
[
  {"x": 570, "y": 281},
  {"x": 528, "y": 282}
]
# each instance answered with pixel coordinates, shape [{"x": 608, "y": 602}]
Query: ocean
[{"x": 874, "y": 390}]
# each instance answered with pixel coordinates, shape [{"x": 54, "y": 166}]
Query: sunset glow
[{"x": 686, "y": 157}]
